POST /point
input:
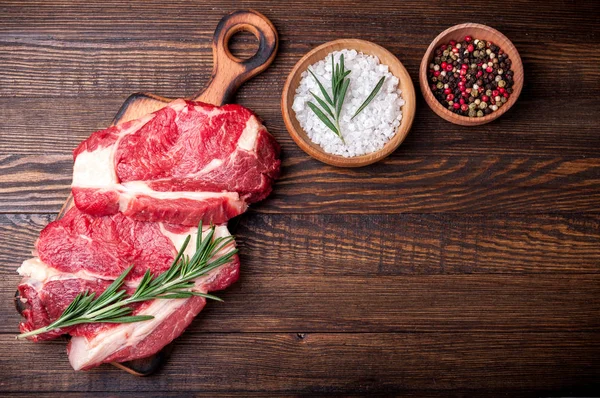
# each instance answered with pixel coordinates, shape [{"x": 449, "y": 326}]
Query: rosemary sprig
[
  {"x": 332, "y": 105},
  {"x": 370, "y": 97},
  {"x": 113, "y": 305}
]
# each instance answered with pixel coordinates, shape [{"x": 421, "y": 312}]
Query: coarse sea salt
[{"x": 373, "y": 127}]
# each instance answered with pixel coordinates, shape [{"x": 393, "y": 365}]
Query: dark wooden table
[{"x": 466, "y": 263}]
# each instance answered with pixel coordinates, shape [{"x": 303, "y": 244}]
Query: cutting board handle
[{"x": 229, "y": 72}]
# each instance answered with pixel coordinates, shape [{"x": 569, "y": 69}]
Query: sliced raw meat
[
  {"x": 186, "y": 162},
  {"x": 80, "y": 252}
]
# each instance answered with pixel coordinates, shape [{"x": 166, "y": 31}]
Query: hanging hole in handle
[
  {"x": 242, "y": 45},
  {"x": 242, "y": 42}
]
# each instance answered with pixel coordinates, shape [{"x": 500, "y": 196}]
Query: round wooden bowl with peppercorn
[{"x": 452, "y": 98}]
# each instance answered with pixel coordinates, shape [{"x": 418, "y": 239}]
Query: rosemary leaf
[
  {"x": 209, "y": 296},
  {"x": 342, "y": 95},
  {"x": 129, "y": 319},
  {"x": 323, "y": 104},
  {"x": 323, "y": 91},
  {"x": 323, "y": 117},
  {"x": 370, "y": 97}
]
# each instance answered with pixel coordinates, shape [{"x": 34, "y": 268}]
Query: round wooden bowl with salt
[{"x": 385, "y": 57}]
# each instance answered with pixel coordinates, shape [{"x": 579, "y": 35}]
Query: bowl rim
[
  {"x": 435, "y": 105},
  {"x": 315, "y": 150}
]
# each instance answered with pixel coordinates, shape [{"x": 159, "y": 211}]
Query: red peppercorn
[
  {"x": 449, "y": 97},
  {"x": 436, "y": 73},
  {"x": 470, "y": 48},
  {"x": 456, "y": 105},
  {"x": 495, "y": 93},
  {"x": 443, "y": 47},
  {"x": 468, "y": 38},
  {"x": 464, "y": 107},
  {"x": 465, "y": 94},
  {"x": 489, "y": 69},
  {"x": 463, "y": 72},
  {"x": 506, "y": 95},
  {"x": 433, "y": 87},
  {"x": 444, "y": 64},
  {"x": 455, "y": 50},
  {"x": 448, "y": 91},
  {"x": 449, "y": 68},
  {"x": 452, "y": 42},
  {"x": 485, "y": 98},
  {"x": 502, "y": 90},
  {"x": 493, "y": 101},
  {"x": 468, "y": 90},
  {"x": 462, "y": 101}
]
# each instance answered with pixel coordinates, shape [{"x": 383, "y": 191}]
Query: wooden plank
[
  {"x": 425, "y": 303},
  {"x": 73, "y": 67},
  {"x": 120, "y": 53},
  {"x": 57, "y": 125},
  {"x": 403, "y": 244},
  {"x": 589, "y": 390},
  {"x": 329, "y": 363},
  {"x": 494, "y": 184}
]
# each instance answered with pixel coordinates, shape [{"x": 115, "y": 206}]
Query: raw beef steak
[
  {"x": 80, "y": 252},
  {"x": 185, "y": 162}
]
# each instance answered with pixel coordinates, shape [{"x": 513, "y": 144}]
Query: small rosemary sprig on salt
[
  {"x": 339, "y": 85},
  {"x": 113, "y": 305},
  {"x": 332, "y": 105}
]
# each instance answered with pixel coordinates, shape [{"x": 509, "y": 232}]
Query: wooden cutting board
[{"x": 229, "y": 73}]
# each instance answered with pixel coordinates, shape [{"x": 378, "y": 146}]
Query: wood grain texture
[
  {"x": 465, "y": 264},
  {"x": 328, "y": 363},
  {"x": 57, "y": 126},
  {"x": 494, "y": 184},
  {"x": 424, "y": 304},
  {"x": 515, "y": 274},
  {"x": 408, "y": 244}
]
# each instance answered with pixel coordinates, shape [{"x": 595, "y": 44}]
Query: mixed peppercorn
[{"x": 471, "y": 77}]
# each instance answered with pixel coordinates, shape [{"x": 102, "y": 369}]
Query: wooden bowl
[
  {"x": 385, "y": 57},
  {"x": 477, "y": 31}
]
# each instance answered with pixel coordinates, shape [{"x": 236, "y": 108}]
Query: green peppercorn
[
  {"x": 472, "y": 113},
  {"x": 488, "y": 92},
  {"x": 501, "y": 83},
  {"x": 479, "y": 113},
  {"x": 472, "y": 105},
  {"x": 440, "y": 85},
  {"x": 503, "y": 100},
  {"x": 481, "y": 45},
  {"x": 483, "y": 105},
  {"x": 475, "y": 93}
]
